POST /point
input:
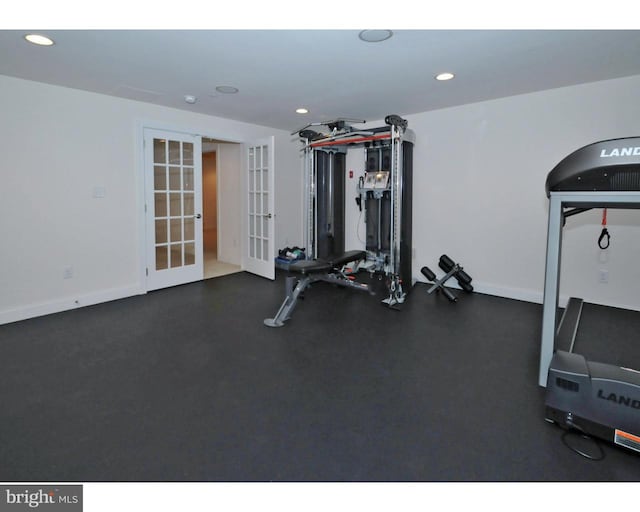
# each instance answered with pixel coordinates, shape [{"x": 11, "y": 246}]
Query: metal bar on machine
[
  {"x": 396, "y": 198},
  {"x": 327, "y": 123},
  {"x": 400, "y": 167},
  {"x": 393, "y": 172},
  {"x": 568, "y": 327},
  {"x": 379, "y": 224},
  {"x": 335, "y": 142},
  {"x": 329, "y": 198},
  {"x": 309, "y": 208},
  {"x": 551, "y": 287}
]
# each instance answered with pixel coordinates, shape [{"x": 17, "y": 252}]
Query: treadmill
[{"x": 597, "y": 399}]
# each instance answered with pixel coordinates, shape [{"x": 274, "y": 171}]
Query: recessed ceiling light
[
  {"x": 227, "y": 89},
  {"x": 39, "y": 39},
  {"x": 375, "y": 36},
  {"x": 302, "y": 111},
  {"x": 189, "y": 98},
  {"x": 444, "y": 76}
]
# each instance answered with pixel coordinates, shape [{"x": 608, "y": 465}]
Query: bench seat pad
[{"x": 310, "y": 266}]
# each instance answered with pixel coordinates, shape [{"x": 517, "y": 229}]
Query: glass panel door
[
  {"x": 259, "y": 255},
  {"x": 173, "y": 164}
]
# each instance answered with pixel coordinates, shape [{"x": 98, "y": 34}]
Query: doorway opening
[{"x": 215, "y": 264}]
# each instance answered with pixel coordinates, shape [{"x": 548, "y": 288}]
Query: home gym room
[{"x": 109, "y": 375}]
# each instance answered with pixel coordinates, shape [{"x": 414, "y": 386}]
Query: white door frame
[{"x": 140, "y": 126}]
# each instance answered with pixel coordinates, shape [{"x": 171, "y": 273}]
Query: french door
[
  {"x": 173, "y": 206},
  {"x": 258, "y": 253}
]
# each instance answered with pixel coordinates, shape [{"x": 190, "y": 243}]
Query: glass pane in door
[
  {"x": 258, "y": 207},
  {"x": 173, "y": 165}
]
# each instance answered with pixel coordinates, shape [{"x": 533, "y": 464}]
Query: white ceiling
[{"x": 331, "y": 72}]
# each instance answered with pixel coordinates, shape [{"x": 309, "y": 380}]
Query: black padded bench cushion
[
  {"x": 347, "y": 257},
  {"x": 310, "y": 266},
  {"x": 313, "y": 266}
]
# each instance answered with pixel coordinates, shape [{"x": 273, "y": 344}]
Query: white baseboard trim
[
  {"x": 67, "y": 303},
  {"x": 527, "y": 295},
  {"x": 522, "y": 294},
  {"x": 498, "y": 291},
  {"x": 536, "y": 296}
]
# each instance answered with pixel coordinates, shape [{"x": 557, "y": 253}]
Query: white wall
[
  {"x": 56, "y": 146},
  {"x": 479, "y": 177},
  {"x": 289, "y": 198},
  {"x": 229, "y": 161}
]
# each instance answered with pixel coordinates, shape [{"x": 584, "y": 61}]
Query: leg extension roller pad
[{"x": 452, "y": 269}]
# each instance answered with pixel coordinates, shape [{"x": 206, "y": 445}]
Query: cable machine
[{"x": 384, "y": 192}]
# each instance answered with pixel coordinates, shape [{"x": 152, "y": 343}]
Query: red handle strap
[{"x": 602, "y": 243}]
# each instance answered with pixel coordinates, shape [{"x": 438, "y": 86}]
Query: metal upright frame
[
  {"x": 309, "y": 208},
  {"x": 558, "y": 201},
  {"x": 395, "y": 287}
]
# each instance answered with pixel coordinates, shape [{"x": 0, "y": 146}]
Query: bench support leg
[{"x": 290, "y": 301}]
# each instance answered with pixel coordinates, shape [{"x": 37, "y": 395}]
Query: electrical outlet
[
  {"x": 67, "y": 273},
  {"x": 604, "y": 276}
]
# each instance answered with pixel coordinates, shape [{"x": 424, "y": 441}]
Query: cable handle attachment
[{"x": 605, "y": 238}]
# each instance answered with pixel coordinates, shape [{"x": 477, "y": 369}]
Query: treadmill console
[{"x": 610, "y": 165}]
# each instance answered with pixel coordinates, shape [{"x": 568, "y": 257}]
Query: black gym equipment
[
  {"x": 331, "y": 271},
  {"x": 598, "y": 399},
  {"x": 595, "y": 399},
  {"x": 451, "y": 269},
  {"x": 384, "y": 193},
  {"x": 330, "y": 167},
  {"x": 384, "y": 196}
]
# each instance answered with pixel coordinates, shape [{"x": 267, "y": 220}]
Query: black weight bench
[{"x": 329, "y": 270}]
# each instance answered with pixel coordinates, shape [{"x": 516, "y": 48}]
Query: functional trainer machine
[
  {"x": 597, "y": 399},
  {"x": 384, "y": 192}
]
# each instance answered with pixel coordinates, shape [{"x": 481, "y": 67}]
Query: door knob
[{"x": 198, "y": 216}]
